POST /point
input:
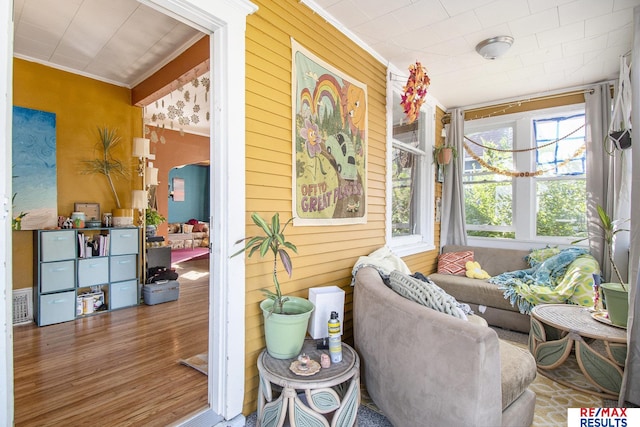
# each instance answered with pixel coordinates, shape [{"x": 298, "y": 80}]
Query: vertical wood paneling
[{"x": 326, "y": 255}]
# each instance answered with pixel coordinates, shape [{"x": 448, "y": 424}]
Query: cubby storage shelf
[{"x": 74, "y": 280}]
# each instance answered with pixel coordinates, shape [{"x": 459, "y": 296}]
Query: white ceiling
[
  {"x": 118, "y": 41},
  {"x": 558, "y": 43}
]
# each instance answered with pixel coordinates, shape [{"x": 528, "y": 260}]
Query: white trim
[
  {"x": 226, "y": 20},
  {"x": 6, "y": 318},
  {"x": 425, "y": 241},
  {"x": 523, "y": 190}
]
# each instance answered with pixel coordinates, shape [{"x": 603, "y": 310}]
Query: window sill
[{"x": 403, "y": 250}]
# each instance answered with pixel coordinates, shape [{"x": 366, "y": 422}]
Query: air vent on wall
[{"x": 22, "y": 306}]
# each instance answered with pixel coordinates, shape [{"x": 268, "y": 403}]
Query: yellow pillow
[{"x": 474, "y": 270}]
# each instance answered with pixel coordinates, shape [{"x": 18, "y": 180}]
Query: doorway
[{"x": 225, "y": 21}]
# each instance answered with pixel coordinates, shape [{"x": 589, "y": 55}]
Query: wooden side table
[
  {"x": 332, "y": 392},
  {"x": 557, "y": 328}
]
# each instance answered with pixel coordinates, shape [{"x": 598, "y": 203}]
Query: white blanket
[{"x": 382, "y": 260}]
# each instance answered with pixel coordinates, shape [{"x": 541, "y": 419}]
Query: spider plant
[{"x": 106, "y": 164}]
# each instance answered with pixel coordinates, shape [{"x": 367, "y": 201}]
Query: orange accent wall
[
  {"x": 81, "y": 105},
  {"x": 178, "y": 150}
]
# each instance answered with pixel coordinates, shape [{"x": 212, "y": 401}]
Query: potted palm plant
[
  {"x": 285, "y": 317},
  {"x": 616, "y": 295}
]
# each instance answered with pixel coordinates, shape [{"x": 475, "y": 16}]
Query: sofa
[
  {"x": 423, "y": 367},
  {"x": 188, "y": 235},
  {"x": 485, "y": 299},
  {"x": 516, "y": 280}
]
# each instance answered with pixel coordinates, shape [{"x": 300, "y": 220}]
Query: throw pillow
[
  {"x": 425, "y": 293},
  {"x": 474, "y": 271},
  {"x": 454, "y": 262},
  {"x": 198, "y": 228},
  {"x": 187, "y": 228}
]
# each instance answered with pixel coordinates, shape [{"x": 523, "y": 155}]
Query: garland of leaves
[
  {"x": 517, "y": 174},
  {"x": 415, "y": 91}
]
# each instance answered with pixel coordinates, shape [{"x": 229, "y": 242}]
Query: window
[
  {"x": 411, "y": 180},
  {"x": 564, "y": 177},
  {"x": 488, "y": 195},
  {"x": 525, "y": 176}
]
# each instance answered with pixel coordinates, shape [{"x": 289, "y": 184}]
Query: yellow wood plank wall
[{"x": 326, "y": 255}]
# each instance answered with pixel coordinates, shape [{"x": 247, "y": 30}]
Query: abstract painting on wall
[{"x": 34, "y": 199}]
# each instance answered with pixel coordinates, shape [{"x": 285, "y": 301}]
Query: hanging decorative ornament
[{"x": 415, "y": 91}]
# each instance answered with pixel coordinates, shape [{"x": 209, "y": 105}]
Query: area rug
[
  {"x": 199, "y": 362},
  {"x": 552, "y": 398}
]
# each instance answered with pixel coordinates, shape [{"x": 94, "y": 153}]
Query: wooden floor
[{"x": 119, "y": 368}]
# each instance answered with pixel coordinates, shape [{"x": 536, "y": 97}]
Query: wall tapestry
[
  {"x": 329, "y": 143},
  {"x": 34, "y": 180}
]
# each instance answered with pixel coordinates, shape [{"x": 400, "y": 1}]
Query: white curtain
[
  {"x": 452, "y": 225},
  {"x": 631, "y": 379},
  {"x": 599, "y": 166}
]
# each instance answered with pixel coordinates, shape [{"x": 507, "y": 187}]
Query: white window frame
[
  {"x": 424, "y": 241},
  {"x": 524, "y": 190}
]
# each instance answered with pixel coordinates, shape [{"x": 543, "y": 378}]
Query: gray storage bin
[
  {"x": 124, "y": 294},
  {"x": 162, "y": 291}
]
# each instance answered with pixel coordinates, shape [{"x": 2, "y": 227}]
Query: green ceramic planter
[
  {"x": 285, "y": 333},
  {"x": 617, "y": 301}
]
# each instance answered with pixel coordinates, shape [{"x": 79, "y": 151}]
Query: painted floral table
[
  {"x": 563, "y": 335},
  {"x": 329, "y": 397}
]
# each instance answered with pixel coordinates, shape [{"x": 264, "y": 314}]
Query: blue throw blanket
[{"x": 538, "y": 284}]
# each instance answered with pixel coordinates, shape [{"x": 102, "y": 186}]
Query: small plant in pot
[
  {"x": 153, "y": 218},
  {"x": 616, "y": 295},
  {"x": 285, "y": 317},
  {"x": 443, "y": 154}
]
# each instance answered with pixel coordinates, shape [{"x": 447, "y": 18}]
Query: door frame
[{"x": 225, "y": 21}]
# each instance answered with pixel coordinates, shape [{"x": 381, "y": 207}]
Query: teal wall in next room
[{"x": 196, "y": 194}]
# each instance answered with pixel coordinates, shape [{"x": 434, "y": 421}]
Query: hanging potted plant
[
  {"x": 285, "y": 317},
  {"x": 616, "y": 295},
  {"x": 443, "y": 154}
]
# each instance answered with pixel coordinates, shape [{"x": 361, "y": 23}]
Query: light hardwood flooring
[{"x": 119, "y": 368}]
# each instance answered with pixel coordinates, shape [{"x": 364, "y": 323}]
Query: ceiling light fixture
[{"x": 494, "y": 47}]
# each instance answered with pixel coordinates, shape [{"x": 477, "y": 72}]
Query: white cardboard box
[{"x": 326, "y": 299}]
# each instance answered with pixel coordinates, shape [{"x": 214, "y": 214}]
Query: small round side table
[
  {"x": 561, "y": 330},
  {"x": 327, "y": 398}
]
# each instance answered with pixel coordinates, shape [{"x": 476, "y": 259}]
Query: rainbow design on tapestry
[{"x": 329, "y": 143}]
